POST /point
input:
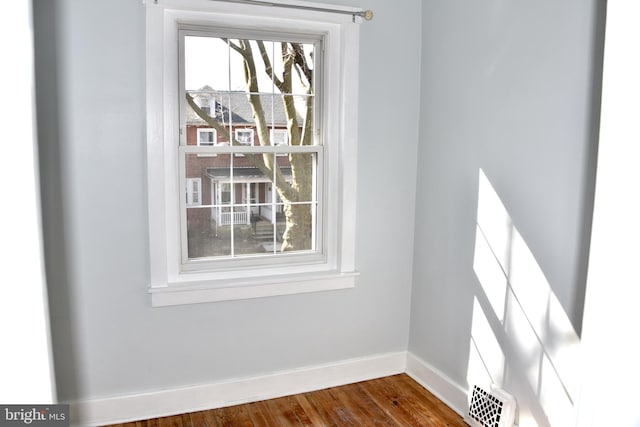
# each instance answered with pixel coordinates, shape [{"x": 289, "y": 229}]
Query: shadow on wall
[
  {"x": 521, "y": 338},
  {"x": 55, "y": 232}
]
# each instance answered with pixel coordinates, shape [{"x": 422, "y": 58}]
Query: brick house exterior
[{"x": 208, "y": 176}]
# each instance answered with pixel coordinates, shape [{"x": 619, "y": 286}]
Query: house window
[
  {"x": 193, "y": 191},
  {"x": 244, "y": 136},
  {"x": 279, "y": 136},
  {"x": 203, "y": 103},
  {"x": 278, "y": 212},
  {"x": 206, "y": 136}
]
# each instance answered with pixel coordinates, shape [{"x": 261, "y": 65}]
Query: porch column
[
  {"x": 218, "y": 199},
  {"x": 247, "y": 199}
]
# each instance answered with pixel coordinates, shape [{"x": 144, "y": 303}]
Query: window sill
[{"x": 227, "y": 290}]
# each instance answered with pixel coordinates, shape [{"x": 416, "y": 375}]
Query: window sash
[
  {"x": 213, "y": 31},
  {"x": 316, "y": 254},
  {"x": 245, "y": 136}
]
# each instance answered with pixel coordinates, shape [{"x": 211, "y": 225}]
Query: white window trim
[{"x": 168, "y": 284}]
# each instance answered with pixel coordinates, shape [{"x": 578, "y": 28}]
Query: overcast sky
[{"x": 209, "y": 61}]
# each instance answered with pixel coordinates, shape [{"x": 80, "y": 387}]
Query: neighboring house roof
[
  {"x": 234, "y": 107},
  {"x": 218, "y": 173}
]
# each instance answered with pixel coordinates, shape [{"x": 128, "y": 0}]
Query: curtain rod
[{"x": 365, "y": 14}]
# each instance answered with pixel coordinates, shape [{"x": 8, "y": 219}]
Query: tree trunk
[{"x": 297, "y": 235}]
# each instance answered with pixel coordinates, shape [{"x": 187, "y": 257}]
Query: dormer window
[{"x": 204, "y": 104}]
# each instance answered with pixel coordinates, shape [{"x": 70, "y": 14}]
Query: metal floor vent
[{"x": 495, "y": 408}]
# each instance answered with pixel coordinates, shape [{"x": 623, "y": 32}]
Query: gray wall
[
  {"x": 507, "y": 89},
  {"x": 107, "y": 338}
]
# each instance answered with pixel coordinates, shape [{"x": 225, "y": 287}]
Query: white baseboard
[
  {"x": 161, "y": 403},
  {"x": 445, "y": 389}
]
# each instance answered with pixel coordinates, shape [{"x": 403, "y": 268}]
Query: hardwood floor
[{"x": 391, "y": 401}]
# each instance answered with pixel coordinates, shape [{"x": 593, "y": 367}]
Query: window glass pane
[
  {"x": 303, "y": 166},
  {"x": 204, "y": 238},
  {"x": 303, "y": 53},
  {"x": 253, "y": 207},
  {"x": 272, "y": 110},
  {"x": 305, "y": 113},
  {"x": 250, "y": 203},
  {"x": 279, "y": 137},
  {"x": 299, "y": 225},
  {"x": 251, "y": 49},
  {"x": 238, "y": 109},
  {"x": 206, "y": 63}
]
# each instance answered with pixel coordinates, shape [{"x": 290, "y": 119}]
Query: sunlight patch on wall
[
  {"x": 543, "y": 310},
  {"x": 487, "y": 350},
  {"x": 530, "y": 345},
  {"x": 490, "y": 272},
  {"x": 494, "y": 223}
]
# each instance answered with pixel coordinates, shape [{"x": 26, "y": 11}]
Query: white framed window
[
  {"x": 206, "y": 136},
  {"x": 244, "y": 136},
  {"x": 279, "y": 136},
  {"x": 260, "y": 186},
  {"x": 193, "y": 191},
  {"x": 204, "y": 104}
]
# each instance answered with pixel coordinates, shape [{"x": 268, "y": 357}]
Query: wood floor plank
[
  {"x": 311, "y": 412},
  {"x": 260, "y": 415},
  {"x": 377, "y": 415},
  {"x": 436, "y": 406},
  {"x": 321, "y": 402},
  {"x": 331, "y": 409},
  {"x": 395, "y": 405},
  {"x": 394, "y": 401},
  {"x": 282, "y": 411},
  {"x": 175, "y": 421},
  {"x": 298, "y": 410},
  {"x": 238, "y": 415},
  {"x": 413, "y": 398},
  {"x": 197, "y": 419},
  {"x": 216, "y": 418},
  {"x": 343, "y": 398}
]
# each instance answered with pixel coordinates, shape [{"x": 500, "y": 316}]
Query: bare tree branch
[
  {"x": 301, "y": 62},
  {"x": 267, "y": 64},
  {"x": 234, "y": 47}
]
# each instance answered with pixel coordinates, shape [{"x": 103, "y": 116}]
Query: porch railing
[{"x": 236, "y": 217}]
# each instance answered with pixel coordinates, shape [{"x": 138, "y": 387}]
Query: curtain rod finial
[{"x": 368, "y": 15}]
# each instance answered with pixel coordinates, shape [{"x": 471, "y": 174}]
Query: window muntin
[{"x": 264, "y": 192}]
